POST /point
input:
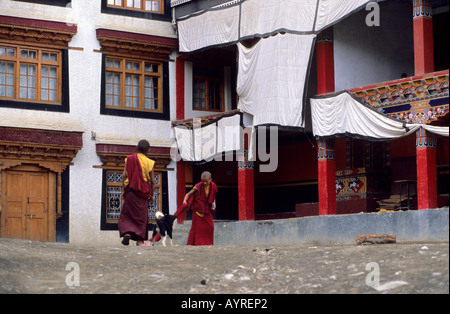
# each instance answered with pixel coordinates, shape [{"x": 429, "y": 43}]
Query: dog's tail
[{"x": 172, "y": 218}]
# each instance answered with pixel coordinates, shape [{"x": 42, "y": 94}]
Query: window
[
  {"x": 113, "y": 196},
  {"x": 112, "y": 159},
  {"x": 30, "y": 74},
  {"x": 135, "y": 78},
  {"x": 154, "y": 6},
  {"x": 207, "y": 94},
  {"x": 133, "y": 85}
]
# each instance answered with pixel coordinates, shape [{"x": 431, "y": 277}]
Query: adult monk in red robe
[
  {"x": 202, "y": 200},
  {"x": 138, "y": 183}
]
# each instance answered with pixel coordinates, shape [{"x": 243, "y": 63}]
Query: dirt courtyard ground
[{"x": 36, "y": 267}]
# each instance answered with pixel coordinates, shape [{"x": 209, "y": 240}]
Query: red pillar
[
  {"x": 326, "y": 161},
  {"x": 181, "y": 166},
  {"x": 423, "y": 37},
  {"x": 181, "y": 189},
  {"x": 327, "y": 177},
  {"x": 180, "y": 87},
  {"x": 246, "y": 192},
  {"x": 426, "y": 170},
  {"x": 246, "y": 186},
  {"x": 325, "y": 62}
]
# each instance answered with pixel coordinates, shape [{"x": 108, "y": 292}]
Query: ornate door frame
[{"x": 49, "y": 150}]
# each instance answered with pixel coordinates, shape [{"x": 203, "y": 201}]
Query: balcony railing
[{"x": 419, "y": 99}]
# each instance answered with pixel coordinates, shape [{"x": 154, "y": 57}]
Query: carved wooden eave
[
  {"x": 36, "y": 32},
  {"x": 54, "y": 158},
  {"x": 53, "y": 150},
  {"x": 137, "y": 45},
  {"x": 189, "y": 123},
  {"x": 113, "y": 156},
  {"x": 116, "y": 161}
]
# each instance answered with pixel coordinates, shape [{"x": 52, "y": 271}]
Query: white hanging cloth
[
  {"x": 271, "y": 79},
  {"x": 205, "y": 143},
  {"x": 212, "y": 28},
  {"x": 236, "y": 20},
  {"x": 272, "y": 74},
  {"x": 344, "y": 115}
]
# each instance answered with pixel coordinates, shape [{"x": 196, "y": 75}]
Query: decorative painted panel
[
  {"x": 420, "y": 99},
  {"x": 362, "y": 183}
]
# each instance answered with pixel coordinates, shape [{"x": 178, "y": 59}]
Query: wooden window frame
[
  {"x": 122, "y": 71},
  {"x": 161, "y": 190},
  {"x": 112, "y": 159},
  {"x": 116, "y": 186},
  {"x": 207, "y": 80},
  {"x": 123, "y": 5},
  {"x": 113, "y": 184},
  {"x": 17, "y": 60}
]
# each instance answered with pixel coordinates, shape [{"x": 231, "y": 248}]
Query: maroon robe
[
  {"x": 134, "y": 214},
  {"x": 136, "y": 178},
  {"x": 202, "y": 229}
]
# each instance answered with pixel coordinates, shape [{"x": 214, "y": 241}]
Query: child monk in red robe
[
  {"x": 202, "y": 200},
  {"x": 138, "y": 183}
]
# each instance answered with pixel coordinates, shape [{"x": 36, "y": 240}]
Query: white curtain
[
  {"x": 205, "y": 143},
  {"x": 240, "y": 19},
  {"x": 342, "y": 114},
  {"x": 272, "y": 77},
  {"x": 331, "y": 11},
  {"x": 229, "y": 133},
  {"x": 439, "y": 130},
  {"x": 174, "y": 3},
  {"x": 272, "y": 73},
  {"x": 184, "y": 138},
  {"x": 212, "y": 28},
  {"x": 266, "y": 17}
]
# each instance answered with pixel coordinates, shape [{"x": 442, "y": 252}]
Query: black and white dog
[{"x": 163, "y": 225}]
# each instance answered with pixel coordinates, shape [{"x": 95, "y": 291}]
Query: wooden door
[{"x": 26, "y": 204}]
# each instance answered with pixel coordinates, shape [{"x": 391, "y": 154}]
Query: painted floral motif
[
  {"x": 355, "y": 184},
  {"x": 422, "y": 116},
  {"x": 420, "y": 99}
]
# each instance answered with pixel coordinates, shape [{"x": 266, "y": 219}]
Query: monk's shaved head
[
  {"x": 206, "y": 175},
  {"x": 143, "y": 146}
]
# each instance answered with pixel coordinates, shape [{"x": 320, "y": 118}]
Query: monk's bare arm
[
  {"x": 152, "y": 184},
  {"x": 186, "y": 198},
  {"x": 124, "y": 177},
  {"x": 152, "y": 179}
]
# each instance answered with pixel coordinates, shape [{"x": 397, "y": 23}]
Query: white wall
[
  {"x": 368, "y": 55},
  {"x": 85, "y": 85}
]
